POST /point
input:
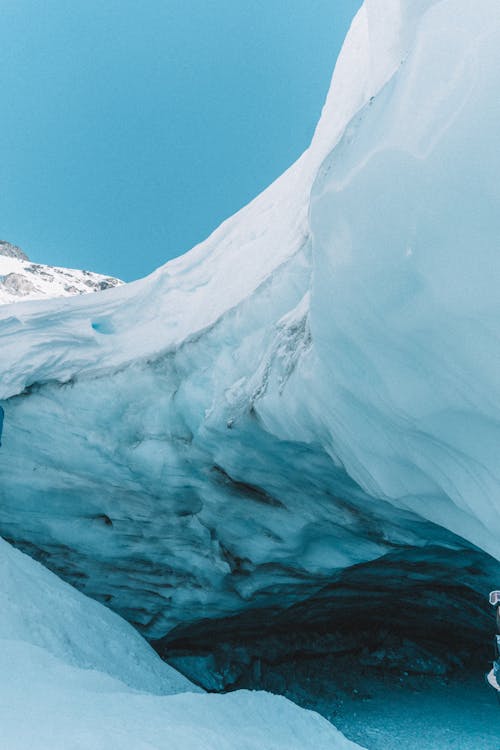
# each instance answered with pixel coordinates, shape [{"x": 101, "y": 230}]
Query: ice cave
[{"x": 282, "y": 449}]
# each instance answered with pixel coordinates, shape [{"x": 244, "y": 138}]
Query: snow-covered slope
[
  {"x": 313, "y": 388},
  {"x": 39, "y": 610},
  {"x": 74, "y": 675},
  {"x": 21, "y": 280}
]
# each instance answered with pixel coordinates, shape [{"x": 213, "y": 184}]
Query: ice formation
[
  {"x": 73, "y": 674},
  {"x": 306, "y": 400},
  {"x": 20, "y": 279}
]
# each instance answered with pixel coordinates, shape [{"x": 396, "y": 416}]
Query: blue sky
[{"x": 131, "y": 128}]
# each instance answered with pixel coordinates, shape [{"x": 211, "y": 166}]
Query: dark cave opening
[{"x": 414, "y": 614}]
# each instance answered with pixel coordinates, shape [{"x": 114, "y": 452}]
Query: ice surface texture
[
  {"x": 405, "y": 309},
  {"x": 314, "y": 387}
]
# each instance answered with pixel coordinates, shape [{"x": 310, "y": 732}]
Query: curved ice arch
[{"x": 292, "y": 361}]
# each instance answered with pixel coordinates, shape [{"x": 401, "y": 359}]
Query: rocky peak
[
  {"x": 20, "y": 279},
  {"x": 12, "y": 251}
]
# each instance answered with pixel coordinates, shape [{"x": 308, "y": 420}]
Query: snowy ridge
[
  {"x": 314, "y": 387},
  {"x": 22, "y": 280},
  {"x": 12, "y": 251}
]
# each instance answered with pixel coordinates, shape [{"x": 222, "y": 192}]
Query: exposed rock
[
  {"x": 20, "y": 279},
  {"x": 12, "y": 251},
  {"x": 18, "y": 285}
]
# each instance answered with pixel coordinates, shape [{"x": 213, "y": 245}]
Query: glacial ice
[
  {"x": 412, "y": 288},
  {"x": 312, "y": 390}
]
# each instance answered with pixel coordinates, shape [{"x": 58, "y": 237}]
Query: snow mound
[
  {"x": 74, "y": 675},
  {"x": 39, "y": 609}
]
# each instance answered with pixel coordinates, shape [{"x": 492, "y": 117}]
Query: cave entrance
[{"x": 413, "y": 615}]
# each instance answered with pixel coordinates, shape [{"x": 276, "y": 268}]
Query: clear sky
[{"x": 131, "y": 128}]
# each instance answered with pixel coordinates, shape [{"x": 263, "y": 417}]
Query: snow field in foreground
[{"x": 75, "y": 676}]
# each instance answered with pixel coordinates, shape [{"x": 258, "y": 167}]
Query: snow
[
  {"x": 430, "y": 715},
  {"x": 74, "y": 676},
  {"x": 40, "y": 610},
  {"x": 388, "y": 709},
  {"x": 22, "y": 280}
]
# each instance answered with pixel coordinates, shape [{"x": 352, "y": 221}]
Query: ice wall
[{"x": 405, "y": 313}]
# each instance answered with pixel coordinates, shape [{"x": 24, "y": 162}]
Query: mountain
[
  {"x": 20, "y": 279},
  {"x": 287, "y": 440},
  {"x": 12, "y": 251}
]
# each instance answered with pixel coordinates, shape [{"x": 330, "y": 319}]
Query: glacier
[{"x": 306, "y": 405}]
